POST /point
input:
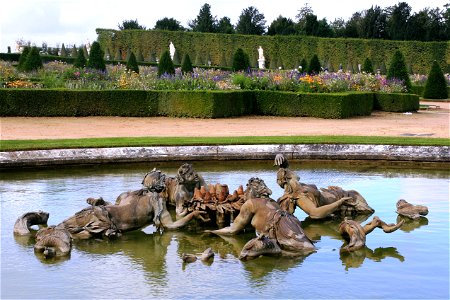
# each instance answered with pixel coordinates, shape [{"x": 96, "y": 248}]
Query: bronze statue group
[{"x": 278, "y": 231}]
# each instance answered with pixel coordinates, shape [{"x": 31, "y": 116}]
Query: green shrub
[
  {"x": 96, "y": 60},
  {"x": 186, "y": 65},
  {"x": 165, "y": 65},
  {"x": 436, "y": 86},
  {"x": 367, "y": 66},
  {"x": 241, "y": 61},
  {"x": 396, "y": 102},
  {"x": 33, "y": 61},
  {"x": 23, "y": 58},
  {"x": 398, "y": 70},
  {"x": 132, "y": 64},
  {"x": 80, "y": 60},
  {"x": 314, "y": 65}
]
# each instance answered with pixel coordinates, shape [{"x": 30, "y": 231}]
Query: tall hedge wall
[
  {"x": 197, "y": 104},
  {"x": 286, "y": 50}
]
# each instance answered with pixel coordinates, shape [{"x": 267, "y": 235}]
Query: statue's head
[
  {"x": 187, "y": 175},
  {"x": 155, "y": 181},
  {"x": 257, "y": 188}
]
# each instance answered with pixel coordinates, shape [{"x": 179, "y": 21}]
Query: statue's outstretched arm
[
  {"x": 167, "y": 222},
  {"x": 309, "y": 206},
  {"x": 377, "y": 222},
  {"x": 243, "y": 219}
]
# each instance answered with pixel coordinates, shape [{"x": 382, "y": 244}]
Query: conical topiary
[
  {"x": 165, "y": 65},
  {"x": 186, "y": 65},
  {"x": 436, "y": 86},
  {"x": 132, "y": 64},
  {"x": 397, "y": 69},
  {"x": 314, "y": 65},
  {"x": 63, "y": 52},
  {"x": 304, "y": 65},
  {"x": 23, "y": 58},
  {"x": 74, "y": 51},
  {"x": 80, "y": 60},
  {"x": 96, "y": 60},
  {"x": 241, "y": 61},
  {"x": 367, "y": 66},
  {"x": 33, "y": 61}
]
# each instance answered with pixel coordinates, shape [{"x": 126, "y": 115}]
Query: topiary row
[{"x": 197, "y": 104}]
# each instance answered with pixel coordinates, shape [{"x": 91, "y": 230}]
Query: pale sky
[{"x": 74, "y": 21}]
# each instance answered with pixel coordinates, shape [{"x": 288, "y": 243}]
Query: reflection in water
[
  {"x": 411, "y": 224},
  {"x": 355, "y": 259}
]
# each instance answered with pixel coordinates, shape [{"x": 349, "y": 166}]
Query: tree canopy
[
  {"x": 169, "y": 24},
  {"x": 130, "y": 24},
  {"x": 251, "y": 21},
  {"x": 204, "y": 22}
]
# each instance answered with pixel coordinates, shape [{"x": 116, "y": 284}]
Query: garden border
[{"x": 435, "y": 154}]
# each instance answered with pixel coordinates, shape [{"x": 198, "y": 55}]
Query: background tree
[
  {"x": 224, "y": 26},
  {"x": 397, "y": 69},
  {"x": 353, "y": 27},
  {"x": 96, "y": 60},
  {"x": 436, "y": 86},
  {"x": 324, "y": 29},
  {"x": 338, "y": 27},
  {"x": 165, "y": 65},
  {"x": 241, "y": 61},
  {"x": 33, "y": 61},
  {"x": 168, "y": 24},
  {"x": 303, "y": 12},
  {"x": 204, "y": 22},
  {"x": 132, "y": 64},
  {"x": 80, "y": 60},
  {"x": 23, "y": 57},
  {"x": 281, "y": 26},
  {"x": 314, "y": 65},
  {"x": 374, "y": 23},
  {"x": 130, "y": 24},
  {"x": 397, "y": 20},
  {"x": 251, "y": 22},
  {"x": 186, "y": 64}
]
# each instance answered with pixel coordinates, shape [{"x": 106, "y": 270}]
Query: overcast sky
[{"x": 74, "y": 21}]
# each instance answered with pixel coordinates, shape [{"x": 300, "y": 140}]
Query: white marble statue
[
  {"x": 171, "y": 50},
  {"x": 261, "y": 59}
]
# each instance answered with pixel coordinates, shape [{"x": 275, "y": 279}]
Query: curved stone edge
[{"x": 228, "y": 152}]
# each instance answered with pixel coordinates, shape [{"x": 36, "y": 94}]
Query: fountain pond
[{"x": 412, "y": 262}]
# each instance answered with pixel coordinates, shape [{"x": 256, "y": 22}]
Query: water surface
[{"x": 412, "y": 262}]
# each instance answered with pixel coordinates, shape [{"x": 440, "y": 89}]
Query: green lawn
[{"x": 15, "y": 145}]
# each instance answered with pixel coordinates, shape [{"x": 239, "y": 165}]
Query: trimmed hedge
[
  {"x": 396, "y": 102},
  {"x": 205, "y": 104},
  {"x": 53, "y": 102},
  {"x": 197, "y": 104},
  {"x": 329, "y": 106}
]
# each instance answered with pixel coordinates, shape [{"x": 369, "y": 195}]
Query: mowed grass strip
[{"x": 19, "y": 145}]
